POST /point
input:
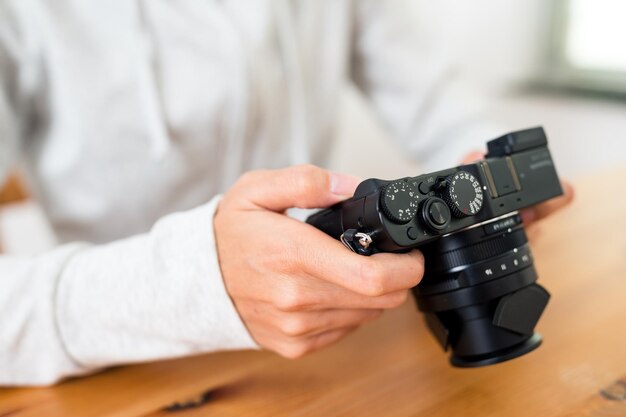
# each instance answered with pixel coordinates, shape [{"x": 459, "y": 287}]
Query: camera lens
[{"x": 479, "y": 293}]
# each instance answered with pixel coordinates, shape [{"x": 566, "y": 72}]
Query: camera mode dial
[
  {"x": 399, "y": 201},
  {"x": 463, "y": 193}
]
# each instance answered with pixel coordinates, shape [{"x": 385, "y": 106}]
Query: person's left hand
[{"x": 532, "y": 214}]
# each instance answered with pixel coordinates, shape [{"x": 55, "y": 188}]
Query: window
[{"x": 589, "y": 45}]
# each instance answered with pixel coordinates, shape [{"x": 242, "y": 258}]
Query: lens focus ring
[{"x": 480, "y": 251}]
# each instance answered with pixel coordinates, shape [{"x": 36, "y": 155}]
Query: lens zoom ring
[{"x": 480, "y": 251}]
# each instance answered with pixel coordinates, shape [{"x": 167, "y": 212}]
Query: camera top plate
[{"x": 405, "y": 213}]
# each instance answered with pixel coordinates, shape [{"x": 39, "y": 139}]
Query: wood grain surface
[{"x": 393, "y": 367}]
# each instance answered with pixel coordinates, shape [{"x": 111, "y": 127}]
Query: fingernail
[
  {"x": 528, "y": 216},
  {"x": 343, "y": 184}
]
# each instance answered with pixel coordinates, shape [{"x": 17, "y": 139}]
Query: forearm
[
  {"x": 80, "y": 308},
  {"x": 31, "y": 350}
]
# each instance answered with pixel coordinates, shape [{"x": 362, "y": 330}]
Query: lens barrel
[{"x": 479, "y": 293}]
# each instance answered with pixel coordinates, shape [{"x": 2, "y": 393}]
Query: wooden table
[{"x": 393, "y": 367}]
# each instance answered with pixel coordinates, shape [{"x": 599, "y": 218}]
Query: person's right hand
[{"x": 296, "y": 288}]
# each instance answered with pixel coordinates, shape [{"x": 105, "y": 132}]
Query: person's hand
[
  {"x": 532, "y": 214},
  {"x": 296, "y": 288}
]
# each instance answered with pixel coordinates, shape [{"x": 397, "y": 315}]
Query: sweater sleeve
[
  {"x": 430, "y": 110},
  {"x": 80, "y": 308}
]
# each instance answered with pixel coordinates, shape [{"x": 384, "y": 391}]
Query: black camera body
[{"x": 478, "y": 293}]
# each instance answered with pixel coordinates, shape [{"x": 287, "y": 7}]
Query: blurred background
[{"x": 559, "y": 63}]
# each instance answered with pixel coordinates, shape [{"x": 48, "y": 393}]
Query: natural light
[{"x": 596, "y": 35}]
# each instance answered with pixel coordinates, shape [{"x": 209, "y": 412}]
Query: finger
[
  {"x": 324, "y": 321},
  {"x": 303, "y": 268},
  {"x": 317, "y": 294},
  {"x": 302, "y": 186},
  {"x": 324, "y": 339},
  {"x": 307, "y": 323},
  {"x": 296, "y": 349},
  {"x": 543, "y": 210},
  {"x": 533, "y": 232},
  {"x": 375, "y": 275},
  {"x": 307, "y": 293}
]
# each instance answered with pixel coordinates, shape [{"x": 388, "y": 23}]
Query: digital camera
[{"x": 479, "y": 293}]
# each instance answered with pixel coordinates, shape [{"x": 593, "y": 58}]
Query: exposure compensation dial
[{"x": 463, "y": 193}]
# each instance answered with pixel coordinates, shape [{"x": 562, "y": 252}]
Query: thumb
[{"x": 302, "y": 186}]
